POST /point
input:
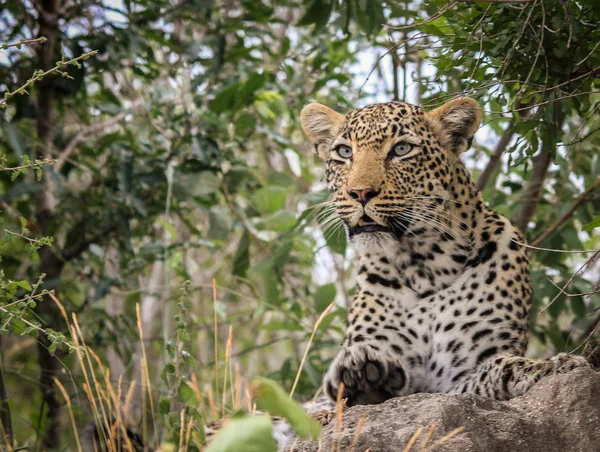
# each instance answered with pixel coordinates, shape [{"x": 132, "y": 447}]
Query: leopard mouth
[{"x": 366, "y": 225}]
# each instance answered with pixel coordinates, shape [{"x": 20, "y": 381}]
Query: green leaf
[
  {"x": 164, "y": 406},
  {"x": 280, "y": 221},
  {"x": 271, "y": 397},
  {"x": 241, "y": 259},
  {"x": 225, "y": 100},
  {"x": 245, "y": 94},
  {"x": 220, "y": 222},
  {"x": 592, "y": 224},
  {"x": 23, "y": 285},
  {"x": 270, "y": 199},
  {"x": 186, "y": 395},
  {"x": 250, "y": 434},
  {"x": 318, "y": 13},
  {"x": 336, "y": 240},
  {"x": 324, "y": 296},
  {"x": 245, "y": 123},
  {"x": 578, "y": 307}
]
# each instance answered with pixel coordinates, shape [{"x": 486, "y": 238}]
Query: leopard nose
[{"x": 362, "y": 195}]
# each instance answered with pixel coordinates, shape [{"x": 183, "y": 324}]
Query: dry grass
[
  {"x": 425, "y": 446},
  {"x": 110, "y": 405},
  {"x": 310, "y": 340}
]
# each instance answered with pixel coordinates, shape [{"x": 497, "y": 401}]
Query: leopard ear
[
  {"x": 455, "y": 123},
  {"x": 321, "y": 125}
]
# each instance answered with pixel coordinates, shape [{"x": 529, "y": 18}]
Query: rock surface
[{"x": 561, "y": 413}]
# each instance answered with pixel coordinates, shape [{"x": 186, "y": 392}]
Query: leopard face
[{"x": 387, "y": 164}]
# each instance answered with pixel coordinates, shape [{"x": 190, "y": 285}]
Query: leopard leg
[{"x": 506, "y": 376}]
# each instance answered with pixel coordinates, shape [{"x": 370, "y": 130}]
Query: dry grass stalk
[
  {"x": 317, "y": 323},
  {"x": 112, "y": 402},
  {"x": 60, "y": 307},
  {"x": 225, "y": 373},
  {"x": 216, "y": 338},
  {"x": 211, "y": 403},
  {"x": 129, "y": 397},
  {"x": 444, "y": 439},
  {"x": 105, "y": 415},
  {"x": 86, "y": 385},
  {"x": 193, "y": 383},
  {"x": 359, "y": 428},
  {"x": 238, "y": 388},
  {"x": 413, "y": 439},
  {"x": 188, "y": 434},
  {"x": 70, "y": 408},
  {"x": 228, "y": 364},
  {"x": 428, "y": 436},
  {"x": 339, "y": 414},
  {"x": 146, "y": 373},
  {"x": 181, "y": 428},
  {"x": 249, "y": 400}
]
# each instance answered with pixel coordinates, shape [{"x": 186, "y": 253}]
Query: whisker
[
  {"x": 436, "y": 197},
  {"x": 462, "y": 224},
  {"x": 437, "y": 226},
  {"x": 399, "y": 224},
  {"x": 442, "y": 213}
]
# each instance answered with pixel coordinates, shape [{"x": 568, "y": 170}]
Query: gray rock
[{"x": 561, "y": 413}]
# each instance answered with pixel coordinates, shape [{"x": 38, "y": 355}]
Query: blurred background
[{"x": 159, "y": 204}]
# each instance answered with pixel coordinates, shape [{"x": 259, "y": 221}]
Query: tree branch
[
  {"x": 395, "y": 65},
  {"x": 544, "y": 235},
  {"x": 82, "y": 135},
  {"x": 541, "y": 163},
  {"x": 496, "y": 157}
]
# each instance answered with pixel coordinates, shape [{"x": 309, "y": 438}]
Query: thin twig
[
  {"x": 553, "y": 250},
  {"x": 83, "y": 135},
  {"x": 18, "y": 45},
  {"x": 583, "y": 267},
  {"x": 544, "y": 235}
]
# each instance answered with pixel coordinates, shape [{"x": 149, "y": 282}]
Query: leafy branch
[
  {"x": 35, "y": 165},
  {"x": 22, "y": 42},
  {"x": 40, "y": 74},
  {"x": 13, "y": 314}
]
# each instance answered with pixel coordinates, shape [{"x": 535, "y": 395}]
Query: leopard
[{"x": 443, "y": 289}]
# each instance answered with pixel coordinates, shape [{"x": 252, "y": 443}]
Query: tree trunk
[
  {"x": 496, "y": 157},
  {"x": 541, "y": 163},
  {"x": 50, "y": 264}
]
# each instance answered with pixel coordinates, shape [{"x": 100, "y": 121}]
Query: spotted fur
[{"x": 444, "y": 290}]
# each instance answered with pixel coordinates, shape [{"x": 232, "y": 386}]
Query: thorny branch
[{"x": 580, "y": 199}]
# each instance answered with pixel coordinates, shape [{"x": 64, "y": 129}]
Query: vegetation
[{"x": 161, "y": 225}]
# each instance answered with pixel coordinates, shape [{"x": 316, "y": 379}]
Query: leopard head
[{"x": 388, "y": 166}]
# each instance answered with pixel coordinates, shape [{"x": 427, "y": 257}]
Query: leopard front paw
[
  {"x": 563, "y": 362},
  {"x": 369, "y": 375}
]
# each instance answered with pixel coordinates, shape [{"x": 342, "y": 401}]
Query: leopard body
[{"x": 444, "y": 290}]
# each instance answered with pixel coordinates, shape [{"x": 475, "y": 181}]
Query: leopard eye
[
  {"x": 344, "y": 151},
  {"x": 401, "y": 149}
]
